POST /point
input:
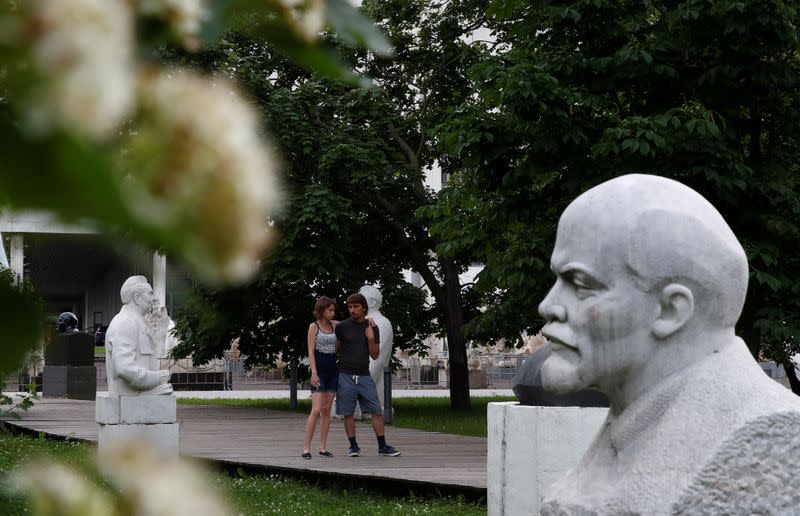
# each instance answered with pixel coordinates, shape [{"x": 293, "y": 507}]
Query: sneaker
[
  {"x": 388, "y": 451},
  {"x": 326, "y": 453},
  {"x": 354, "y": 451},
  {"x": 306, "y": 456}
]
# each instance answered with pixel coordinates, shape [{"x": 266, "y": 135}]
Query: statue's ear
[{"x": 677, "y": 307}]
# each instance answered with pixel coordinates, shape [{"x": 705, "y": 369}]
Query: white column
[
  {"x": 3, "y": 258},
  {"x": 160, "y": 278},
  {"x": 17, "y": 256}
]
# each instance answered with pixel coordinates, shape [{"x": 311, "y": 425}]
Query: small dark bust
[
  {"x": 529, "y": 391},
  {"x": 67, "y": 323}
]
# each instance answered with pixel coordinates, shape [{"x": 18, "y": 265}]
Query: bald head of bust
[
  {"x": 648, "y": 271},
  {"x": 666, "y": 233}
]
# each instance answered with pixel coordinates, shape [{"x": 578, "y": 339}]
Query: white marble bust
[
  {"x": 132, "y": 350},
  {"x": 385, "y": 333},
  {"x": 650, "y": 284}
]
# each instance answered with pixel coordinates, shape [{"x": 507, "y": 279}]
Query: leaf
[
  {"x": 355, "y": 29},
  {"x": 23, "y": 319},
  {"x": 272, "y": 22}
]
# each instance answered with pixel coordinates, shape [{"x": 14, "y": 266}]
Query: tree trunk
[
  {"x": 459, "y": 374},
  {"x": 794, "y": 382}
]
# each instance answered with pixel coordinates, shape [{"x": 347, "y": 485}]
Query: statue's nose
[{"x": 551, "y": 309}]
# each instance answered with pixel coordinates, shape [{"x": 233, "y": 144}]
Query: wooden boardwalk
[{"x": 273, "y": 441}]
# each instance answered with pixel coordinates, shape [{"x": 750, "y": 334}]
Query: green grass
[
  {"x": 248, "y": 495},
  {"x": 16, "y": 450},
  {"x": 431, "y": 414},
  {"x": 99, "y": 350}
]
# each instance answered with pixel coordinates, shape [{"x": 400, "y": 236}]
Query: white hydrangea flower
[
  {"x": 186, "y": 17},
  {"x": 54, "y": 488},
  {"x": 158, "y": 485},
  {"x": 201, "y": 164},
  {"x": 308, "y": 16},
  {"x": 83, "y": 50}
]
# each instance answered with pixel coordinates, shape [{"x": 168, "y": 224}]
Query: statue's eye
[{"x": 583, "y": 284}]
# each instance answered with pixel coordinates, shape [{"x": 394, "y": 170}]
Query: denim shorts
[
  {"x": 356, "y": 388},
  {"x": 326, "y": 370}
]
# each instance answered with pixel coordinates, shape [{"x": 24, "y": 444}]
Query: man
[
  {"x": 650, "y": 284},
  {"x": 357, "y": 341},
  {"x": 132, "y": 367}
]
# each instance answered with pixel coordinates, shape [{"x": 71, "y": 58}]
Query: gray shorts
[{"x": 356, "y": 388}]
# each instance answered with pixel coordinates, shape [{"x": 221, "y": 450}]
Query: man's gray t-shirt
[{"x": 354, "y": 354}]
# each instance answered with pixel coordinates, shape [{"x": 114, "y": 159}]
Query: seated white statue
[
  {"x": 650, "y": 284},
  {"x": 132, "y": 366},
  {"x": 386, "y": 336}
]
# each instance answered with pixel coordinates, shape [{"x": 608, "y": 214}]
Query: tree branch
[
  {"x": 411, "y": 156},
  {"x": 413, "y": 162},
  {"x": 419, "y": 258}
]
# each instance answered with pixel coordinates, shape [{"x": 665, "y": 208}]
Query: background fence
[{"x": 231, "y": 373}]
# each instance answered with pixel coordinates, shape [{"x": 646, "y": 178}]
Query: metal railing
[
  {"x": 231, "y": 373},
  {"x": 502, "y": 369},
  {"x": 417, "y": 373},
  {"x": 240, "y": 378}
]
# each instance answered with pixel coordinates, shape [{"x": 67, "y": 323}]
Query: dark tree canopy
[
  {"x": 331, "y": 241},
  {"x": 355, "y": 163},
  {"x": 574, "y": 93}
]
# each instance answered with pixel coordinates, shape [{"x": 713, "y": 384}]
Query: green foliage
[
  {"x": 577, "y": 93},
  {"x": 14, "y": 407},
  {"x": 24, "y": 310}
]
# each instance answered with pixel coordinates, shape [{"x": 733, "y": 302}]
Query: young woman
[{"x": 322, "y": 358}]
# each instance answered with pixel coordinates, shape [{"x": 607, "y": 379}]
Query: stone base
[
  {"x": 137, "y": 419},
  {"x": 74, "y": 382},
  {"x": 529, "y": 448},
  {"x": 478, "y": 379},
  {"x": 358, "y": 415},
  {"x": 75, "y": 349},
  {"x": 130, "y": 410},
  {"x": 162, "y": 437}
]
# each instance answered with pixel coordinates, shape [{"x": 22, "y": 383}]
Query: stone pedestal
[
  {"x": 358, "y": 415},
  {"x": 530, "y": 447},
  {"x": 74, "y": 382},
  {"x": 70, "y": 349},
  {"x": 478, "y": 379},
  {"x": 69, "y": 370},
  {"x": 150, "y": 419}
]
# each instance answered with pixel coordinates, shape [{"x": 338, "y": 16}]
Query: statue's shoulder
[
  {"x": 124, "y": 322},
  {"x": 752, "y": 472}
]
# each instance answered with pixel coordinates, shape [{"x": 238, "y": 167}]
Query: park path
[{"x": 273, "y": 440}]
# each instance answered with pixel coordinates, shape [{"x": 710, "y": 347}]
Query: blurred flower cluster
[
  {"x": 80, "y": 56},
  {"x": 132, "y": 479},
  {"x": 197, "y": 146},
  {"x": 308, "y": 16},
  {"x": 190, "y": 158},
  {"x": 185, "y": 17}
]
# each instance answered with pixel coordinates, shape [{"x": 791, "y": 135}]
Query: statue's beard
[{"x": 560, "y": 376}]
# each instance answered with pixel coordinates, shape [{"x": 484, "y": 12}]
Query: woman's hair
[{"x": 322, "y": 304}]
